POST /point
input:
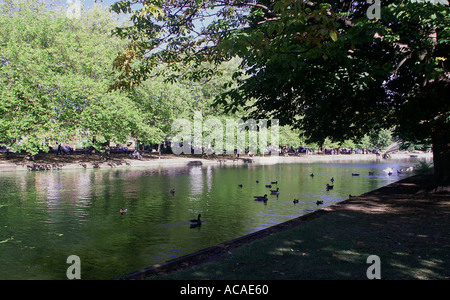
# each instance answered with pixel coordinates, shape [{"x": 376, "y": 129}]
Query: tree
[
  {"x": 349, "y": 144},
  {"x": 291, "y": 137},
  {"x": 322, "y": 66},
  {"x": 55, "y": 73},
  {"x": 381, "y": 139}
]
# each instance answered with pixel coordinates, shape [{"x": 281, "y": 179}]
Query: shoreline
[
  {"x": 78, "y": 161},
  {"x": 392, "y": 221}
]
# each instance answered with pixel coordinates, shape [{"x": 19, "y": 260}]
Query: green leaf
[{"x": 333, "y": 35}]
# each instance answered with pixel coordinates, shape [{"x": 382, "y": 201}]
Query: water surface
[{"x": 47, "y": 216}]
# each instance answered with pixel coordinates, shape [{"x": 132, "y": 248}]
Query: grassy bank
[{"x": 406, "y": 227}]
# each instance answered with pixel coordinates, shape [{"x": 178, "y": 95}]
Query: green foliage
[
  {"x": 329, "y": 144},
  {"x": 331, "y": 76},
  {"x": 291, "y": 137},
  {"x": 349, "y": 144},
  {"x": 365, "y": 143},
  {"x": 423, "y": 167},
  {"x": 320, "y": 66},
  {"x": 381, "y": 139},
  {"x": 55, "y": 75}
]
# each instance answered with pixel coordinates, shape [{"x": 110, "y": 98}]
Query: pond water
[{"x": 47, "y": 216}]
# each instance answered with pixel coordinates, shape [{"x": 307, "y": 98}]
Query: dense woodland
[
  {"x": 56, "y": 72},
  {"x": 332, "y": 76}
]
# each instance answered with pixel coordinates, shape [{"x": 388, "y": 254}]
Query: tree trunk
[
  {"x": 441, "y": 156},
  {"x": 440, "y": 136}
]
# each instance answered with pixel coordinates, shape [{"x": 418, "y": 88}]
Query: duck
[
  {"x": 355, "y": 174},
  {"x": 350, "y": 196},
  {"x": 123, "y": 211},
  {"x": 274, "y": 182},
  {"x": 295, "y": 201},
  {"x": 332, "y": 179},
  {"x": 268, "y": 186},
  {"x": 172, "y": 191},
  {"x": 389, "y": 171},
  {"x": 275, "y": 191},
  {"x": 318, "y": 202},
  {"x": 257, "y": 181},
  {"x": 261, "y": 198},
  {"x": 329, "y": 187},
  {"x": 196, "y": 222},
  {"x": 371, "y": 173},
  {"x": 312, "y": 175},
  {"x": 239, "y": 185}
]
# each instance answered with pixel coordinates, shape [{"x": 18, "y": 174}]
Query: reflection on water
[{"x": 47, "y": 216}]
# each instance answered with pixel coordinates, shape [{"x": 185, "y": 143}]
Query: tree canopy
[
  {"x": 55, "y": 73},
  {"x": 321, "y": 66},
  {"x": 55, "y": 76}
]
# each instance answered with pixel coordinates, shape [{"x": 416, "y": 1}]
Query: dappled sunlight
[
  {"x": 415, "y": 268},
  {"x": 376, "y": 209},
  {"x": 431, "y": 263},
  {"x": 290, "y": 251}
]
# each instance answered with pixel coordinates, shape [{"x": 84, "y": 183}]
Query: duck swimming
[
  {"x": 295, "y": 201},
  {"x": 389, "y": 171},
  {"x": 275, "y": 192},
  {"x": 196, "y": 222},
  {"x": 123, "y": 211},
  {"x": 318, "y": 202},
  {"x": 172, "y": 191},
  {"x": 261, "y": 198},
  {"x": 329, "y": 187}
]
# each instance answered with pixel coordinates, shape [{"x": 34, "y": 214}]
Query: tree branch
[{"x": 401, "y": 63}]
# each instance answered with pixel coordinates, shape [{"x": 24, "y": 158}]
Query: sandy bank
[{"x": 77, "y": 161}]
